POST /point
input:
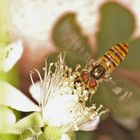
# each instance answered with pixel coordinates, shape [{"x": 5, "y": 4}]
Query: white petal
[
  {"x": 11, "y": 54},
  {"x": 65, "y": 137},
  {"x": 90, "y": 125},
  {"x": 12, "y": 97},
  {"x": 57, "y": 112},
  {"x": 7, "y": 119},
  {"x": 35, "y": 91}
]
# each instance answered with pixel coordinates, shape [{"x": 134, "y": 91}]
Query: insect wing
[
  {"x": 119, "y": 88},
  {"x": 67, "y": 36}
]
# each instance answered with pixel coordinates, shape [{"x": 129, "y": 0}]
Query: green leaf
[
  {"x": 14, "y": 72},
  {"x": 116, "y": 25},
  {"x": 33, "y": 133},
  {"x": 32, "y": 120},
  {"x": 52, "y": 133},
  {"x": 8, "y": 137},
  {"x": 132, "y": 60},
  {"x": 81, "y": 135},
  {"x": 72, "y": 135}
]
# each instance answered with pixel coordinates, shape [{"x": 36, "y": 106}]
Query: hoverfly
[
  {"x": 101, "y": 69},
  {"x": 75, "y": 44}
]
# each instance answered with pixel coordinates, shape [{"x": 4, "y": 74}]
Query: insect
[
  {"x": 102, "y": 68},
  {"x": 74, "y": 43}
]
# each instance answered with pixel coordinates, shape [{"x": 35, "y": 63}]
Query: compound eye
[
  {"x": 92, "y": 82},
  {"x": 85, "y": 76},
  {"x": 98, "y": 71}
]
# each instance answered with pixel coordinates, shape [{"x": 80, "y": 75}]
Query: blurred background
[{"x": 79, "y": 28}]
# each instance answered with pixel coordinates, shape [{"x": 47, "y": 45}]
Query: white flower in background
[
  {"x": 35, "y": 19},
  {"x": 134, "y": 6},
  {"x": 9, "y": 55},
  {"x": 61, "y": 100}
]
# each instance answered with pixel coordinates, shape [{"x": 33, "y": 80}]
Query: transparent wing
[
  {"x": 67, "y": 36},
  {"x": 119, "y": 88}
]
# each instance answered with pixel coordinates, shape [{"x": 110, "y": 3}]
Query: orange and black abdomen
[{"x": 114, "y": 56}]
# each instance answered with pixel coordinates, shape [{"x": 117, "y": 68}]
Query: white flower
[
  {"x": 45, "y": 13},
  {"x": 9, "y": 55},
  {"x": 62, "y": 96},
  {"x": 62, "y": 101}
]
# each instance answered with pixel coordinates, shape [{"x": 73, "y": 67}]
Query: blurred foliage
[
  {"x": 133, "y": 58},
  {"x": 82, "y": 135},
  {"x": 111, "y": 130},
  {"x": 30, "y": 121},
  {"x": 11, "y": 76},
  {"x": 117, "y": 24},
  {"x": 32, "y": 134},
  {"x": 8, "y": 137},
  {"x": 52, "y": 133}
]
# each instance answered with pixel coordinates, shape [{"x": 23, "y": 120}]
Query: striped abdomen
[{"x": 112, "y": 58}]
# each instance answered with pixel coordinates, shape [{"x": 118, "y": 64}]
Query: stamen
[
  {"x": 45, "y": 70},
  {"x": 61, "y": 58},
  {"x": 38, "y": 75},
  {"x": 49, "y": 71},
  {"x": 31, "y": 77},
  {"x": 77, "y": 67},
  {"x": 103, "y": 112},
  {"x": 99, "y": 108}
]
